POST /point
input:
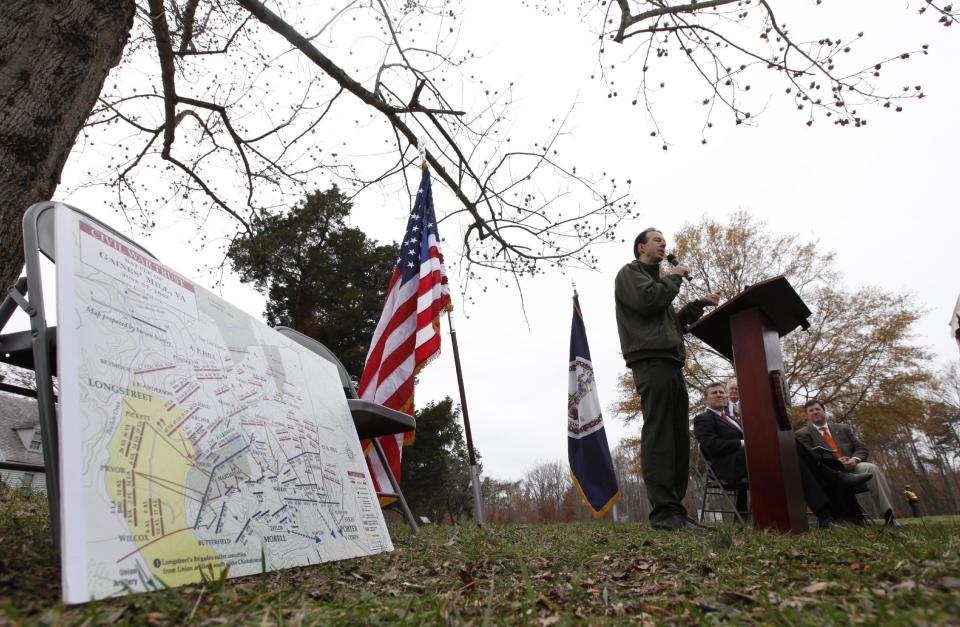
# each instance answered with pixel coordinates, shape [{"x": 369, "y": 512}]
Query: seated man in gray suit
[{"x": 852, "y": 453}]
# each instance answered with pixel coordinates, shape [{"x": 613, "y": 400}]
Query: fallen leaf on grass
[
  {"x": 814, "y": 588},
  {"x": 390, "y": 575},
  {"x": 796, "y": 602},
  {"x": 115, "y": 616},
  {"x": 543, "y": 601},
  {"x": 949, "y": 583},
  {"x": 905, "y": 586},
  {"x": 732, "y": 597},
  {"x": 708, "y": 606},
  {"x": 561, "y": 593}
]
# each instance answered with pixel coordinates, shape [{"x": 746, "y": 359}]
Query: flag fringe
[
  {"x": 597, "y": 513},
  {"x": 435, "y": 323}
]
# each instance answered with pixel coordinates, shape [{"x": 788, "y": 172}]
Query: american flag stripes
[{"x": 408, "y": 334}]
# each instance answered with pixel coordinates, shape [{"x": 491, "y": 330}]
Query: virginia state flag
[{"x": 591, "y": 467}]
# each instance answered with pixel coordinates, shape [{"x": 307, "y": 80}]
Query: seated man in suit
[
  {"x": 829, "y": 492},
  {"x": 852, "y": 453},
  {"x": 720, "y": 435}
]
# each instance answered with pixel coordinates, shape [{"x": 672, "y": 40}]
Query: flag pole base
[{"x": 477, "y": 501}]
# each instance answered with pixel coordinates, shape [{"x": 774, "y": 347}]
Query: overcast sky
[{"x": 884, "y": 198}]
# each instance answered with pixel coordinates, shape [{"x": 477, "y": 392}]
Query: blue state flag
[{"x": 590, "y": 464}]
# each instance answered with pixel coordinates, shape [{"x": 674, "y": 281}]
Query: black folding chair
[
  {"x": 372, "y": 420},
  {"x": 727, "y": 494}
]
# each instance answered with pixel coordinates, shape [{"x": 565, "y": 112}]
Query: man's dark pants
[{"x": 665, "y": 436}]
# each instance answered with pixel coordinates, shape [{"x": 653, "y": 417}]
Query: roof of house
[{"x": 17, "y": 412}]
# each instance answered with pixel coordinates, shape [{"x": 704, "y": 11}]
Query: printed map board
[{"x": 192, "y": 436}]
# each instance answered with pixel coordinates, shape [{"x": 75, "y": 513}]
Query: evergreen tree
[
  {"x": 436, "y": 468},
  {"x": 321, "y": 277}
]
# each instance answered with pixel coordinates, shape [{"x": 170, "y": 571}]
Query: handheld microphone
[{"x": 673, "y": 261}]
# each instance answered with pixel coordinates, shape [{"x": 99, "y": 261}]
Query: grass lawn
[{"x": 537, "y": 574}]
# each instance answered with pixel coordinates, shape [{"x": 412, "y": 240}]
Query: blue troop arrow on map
[{"x": 193, "y": 437}]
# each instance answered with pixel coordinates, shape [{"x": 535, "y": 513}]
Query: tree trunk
[
  {"x": 54, "y": 58},
  {"x": 941, "y": 467},
  {"x": 931, "y": 496},
  {"x": 955, "y": 437}
]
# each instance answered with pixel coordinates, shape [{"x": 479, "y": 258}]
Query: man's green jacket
[{"x": 646, "y": 321}]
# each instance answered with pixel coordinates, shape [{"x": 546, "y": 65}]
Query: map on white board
[{"x": 193, "y": 437}]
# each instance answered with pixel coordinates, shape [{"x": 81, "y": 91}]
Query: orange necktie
[{"x": 830, "y": 441}]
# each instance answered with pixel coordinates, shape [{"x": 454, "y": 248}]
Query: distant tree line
[{"x": 546, "y": 493}]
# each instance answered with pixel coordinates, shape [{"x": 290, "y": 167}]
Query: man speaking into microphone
[{"x": 651, "y": 339}]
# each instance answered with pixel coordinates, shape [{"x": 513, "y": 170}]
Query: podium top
[{"x": 775, "y": 297}]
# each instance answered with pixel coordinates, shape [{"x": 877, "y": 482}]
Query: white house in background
[{"x": 20, "y": 441}]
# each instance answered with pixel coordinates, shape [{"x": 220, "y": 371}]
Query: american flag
[{"x": 408, "y": 334}]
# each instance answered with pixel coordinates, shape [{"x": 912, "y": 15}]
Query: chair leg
[
  {"x": 736, "y": 512},
  {"x": 10, "y": 304},
  {"x": 732, "y": 504},
  {"x": 703, "y": 497},
  {"x": 729, "y": 497},
  {"x": 396, "y": 487}
]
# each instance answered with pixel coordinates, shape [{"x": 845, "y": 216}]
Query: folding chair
[
  {"x": 371, "y": 419},
  {"x": 36, "y": 349},
  {"x": 713, "y": 487},
  {"x": 16, "y": 349}
]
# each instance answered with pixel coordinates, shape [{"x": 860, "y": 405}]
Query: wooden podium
[{"x": 747, "y": 330}]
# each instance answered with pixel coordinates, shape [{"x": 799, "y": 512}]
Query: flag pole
[{"x": 474, "y": 467}]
